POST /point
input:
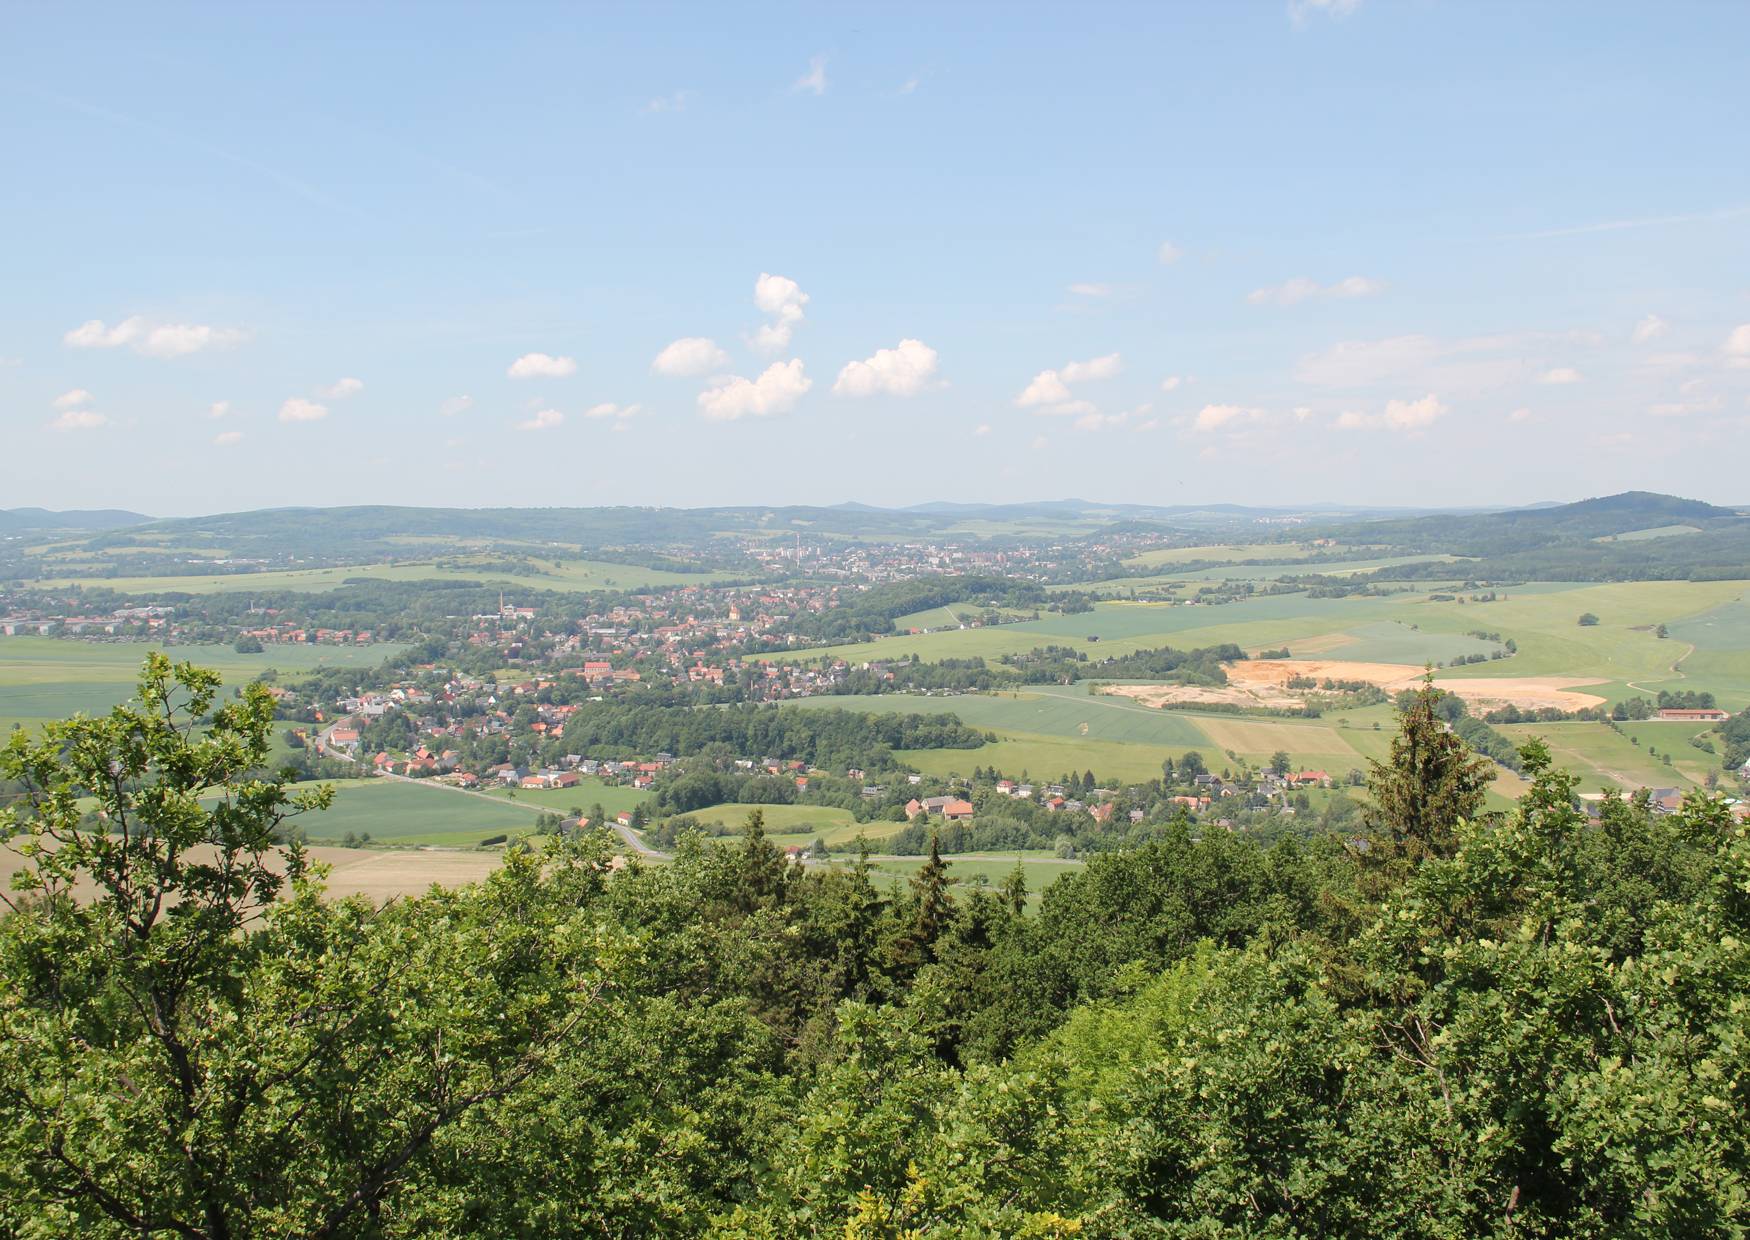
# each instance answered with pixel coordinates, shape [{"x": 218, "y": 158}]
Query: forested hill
[
  {"x": 19, "y": 520},
  {"x": 1637, "y": 535},
  {"x": 363, "y": 531}
]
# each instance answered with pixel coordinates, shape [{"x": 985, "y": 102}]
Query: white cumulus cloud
[
  {"x": 297, "y": 409},
  {"x": 225, "y": 439},
  {"x": 1214, "y": 417},
  {"x": 541, "y": 366},
  {"x": 1399, "y": 415},
  {"x": 902, "y": 371},
  {"x": 1299, "y": 289},
  {"x": 544, "y": 419},
  {"x": 340, "y": 389},
  {"x": 153, "y": 340},
  {"x": 1049, "y": 390},
  {"x": 689, "y": 356},
  {"x": 1560, "y": 376},
  {"x": 1169, "y": 253},
  {"x": 783, "y": 299},
  {"x": 777, "y": 390},
  {"x": 1171, "y": 383},
  {"x": 73, "y": 399},
  {"x": 456, "y": 405},
  {"x": 1737, "y": 346},
  {"x": 219, "y": 409}
]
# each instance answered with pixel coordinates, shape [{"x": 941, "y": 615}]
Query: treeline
[{"x": 834, "y": 739}]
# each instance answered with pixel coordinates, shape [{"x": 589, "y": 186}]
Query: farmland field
[
  {"x": 407, "y": 812},
  {"x": 1622, "y": 651},
  {"x": 1604, "y": 759},
  {"x": 1224, "y": 553},
  {"x": 376, "y": 874},
  {"x": 50, "y": 678},
  {"x": 829, "y": 821},
  {"x": 967, "y": 871},
  {"x": 589, "y": 792}
]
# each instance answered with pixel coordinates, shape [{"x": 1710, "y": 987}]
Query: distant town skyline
[{"x": 1349, "y": 251}]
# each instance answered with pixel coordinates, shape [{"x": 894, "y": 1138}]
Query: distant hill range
[
  {"x": 20, "y": 520},
  {"x": 1634, "y": 535},
  {"x": 1637, "y": 535}
]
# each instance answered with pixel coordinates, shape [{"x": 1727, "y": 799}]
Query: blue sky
[{"x": 1376, "y": 252}]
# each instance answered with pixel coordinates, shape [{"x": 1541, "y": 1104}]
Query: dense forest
[{"x": 1442, "y": 1023}]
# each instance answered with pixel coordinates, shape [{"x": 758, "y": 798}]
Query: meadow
[
  {"x": 45, "y": 678},
  {"x": 986, "y": 870},
  {"x": 407, "y": 812},
  {"x": 590, "y": 792},
  {"x": 1604, "y": 759}
]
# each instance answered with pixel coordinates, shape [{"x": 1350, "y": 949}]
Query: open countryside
[{"x": 865, "y": 621}]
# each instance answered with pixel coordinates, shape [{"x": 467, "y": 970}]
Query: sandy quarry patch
[{"x": 1264, "y": 683}]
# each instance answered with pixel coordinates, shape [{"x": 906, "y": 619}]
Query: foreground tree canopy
[{"x": 1525, "y": 1024}]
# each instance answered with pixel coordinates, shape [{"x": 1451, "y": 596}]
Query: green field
[
  {"x": 51, "y": 678},
  {"x": 1048, "y": 730},
  {"x": 1604, "y": 759},
  {"x": 1621, "y": 652},
  {"x": 1224, "y": 553},
  {"x": 569, "y": 575},
  {"x": 1712, "y": 651},
  {"x": 402, "y": 812},
  {"x": 613, "y": 798},
  {"x": 1040, "y": 872},
  {"x": 1657, "y": 531}
]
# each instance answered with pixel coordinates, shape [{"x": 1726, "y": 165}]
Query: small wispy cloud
[
  {"x": 77, "y": 420},
  {"x": 676, "y": 102},
  {"x": 814, "y": 81},
  {"x": 1302, "y": 11},
  {"x": 1648, "y": 221},
  {"x": 544, "y": 419},
  {"x": 1299, "y": 289},
  {"x": 297, "y": 409},
  {"x": 1650, "y": 328}
]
